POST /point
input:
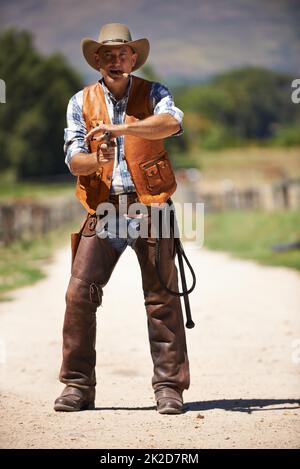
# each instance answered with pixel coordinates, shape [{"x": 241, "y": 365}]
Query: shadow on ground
[
  {"x": 243, "y": 405},
  {"x": 233, "y": 405}
]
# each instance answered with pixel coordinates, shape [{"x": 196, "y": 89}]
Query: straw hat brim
[{"x": 140, "y": 46}]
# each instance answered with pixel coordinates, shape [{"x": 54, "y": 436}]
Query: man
[{"x": 137, "y": 115}]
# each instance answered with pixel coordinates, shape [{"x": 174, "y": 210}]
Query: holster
[
  {"x": 89, "y": 225},
  {"x": 75, "y": 239}
]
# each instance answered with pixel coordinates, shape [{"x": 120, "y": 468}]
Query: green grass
[
  {"x": 250, "y": 235},
  {"x": 246, "y": 166},
  {"x": 21, "y": 263},
  {"x": 20, "y": 190}
]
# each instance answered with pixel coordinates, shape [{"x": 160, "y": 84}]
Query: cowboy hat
[{"x": 115, "y": 34}]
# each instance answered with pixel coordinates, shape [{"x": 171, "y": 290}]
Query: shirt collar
[{"x": 111, "y": 96}]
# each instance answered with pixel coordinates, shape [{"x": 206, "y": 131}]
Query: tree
[
  {"x": 241, "y": 105},
  {"x": 33, "y": 118}
]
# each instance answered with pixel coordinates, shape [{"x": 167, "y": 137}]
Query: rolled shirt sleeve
[
  {"x": 76, "y": 130},
  {"x": 163, "y": 103}
]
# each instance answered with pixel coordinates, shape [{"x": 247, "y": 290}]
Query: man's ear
[
  {"x": 97, "y": 59},
  {"x": 134, "y": 59}
]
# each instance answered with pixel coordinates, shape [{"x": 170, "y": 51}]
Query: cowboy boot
[
  {"x": 74, "y": 399},
  {"x": 165, "y": 325},
  {"x": 93, "y": 265},
  {"x": 169, "y": 400}
]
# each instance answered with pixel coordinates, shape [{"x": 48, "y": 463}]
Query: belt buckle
[{"x": 122, "y": 199}]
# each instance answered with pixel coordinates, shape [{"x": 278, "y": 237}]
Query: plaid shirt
[{"x": 75, "y": 132}]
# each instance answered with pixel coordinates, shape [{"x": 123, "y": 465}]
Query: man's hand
[
  {"x": 115, "y": 130},
  {"x": 105, "y": 152},
  {"x": 83, "y": 164}
]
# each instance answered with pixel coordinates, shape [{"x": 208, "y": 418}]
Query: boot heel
[{"x": 90, "y": 406}]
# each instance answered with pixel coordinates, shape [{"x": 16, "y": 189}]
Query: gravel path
[{"x": 244, "y": 365}]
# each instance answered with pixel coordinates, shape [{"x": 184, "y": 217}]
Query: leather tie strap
[{"x": 178, "y": 249}]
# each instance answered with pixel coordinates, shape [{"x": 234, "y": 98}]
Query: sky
[{"x": 190, "y": 40}]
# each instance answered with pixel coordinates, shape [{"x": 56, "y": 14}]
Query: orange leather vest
[{"x": 147, "y": 160}]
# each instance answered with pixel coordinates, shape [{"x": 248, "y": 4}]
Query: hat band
[{"x": 114, "y": 40}]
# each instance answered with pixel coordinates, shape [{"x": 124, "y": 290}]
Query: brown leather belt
[
  {"x": 125, "y": 200},
  {"x": 122, "y": 199}
]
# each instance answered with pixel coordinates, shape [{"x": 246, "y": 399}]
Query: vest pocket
[{"x": 158, "y": 174}]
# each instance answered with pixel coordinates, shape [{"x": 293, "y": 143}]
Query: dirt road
[{"x": 245, "y": 364}]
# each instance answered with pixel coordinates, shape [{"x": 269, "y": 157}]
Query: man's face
[{"x": 116, "y": 60}]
